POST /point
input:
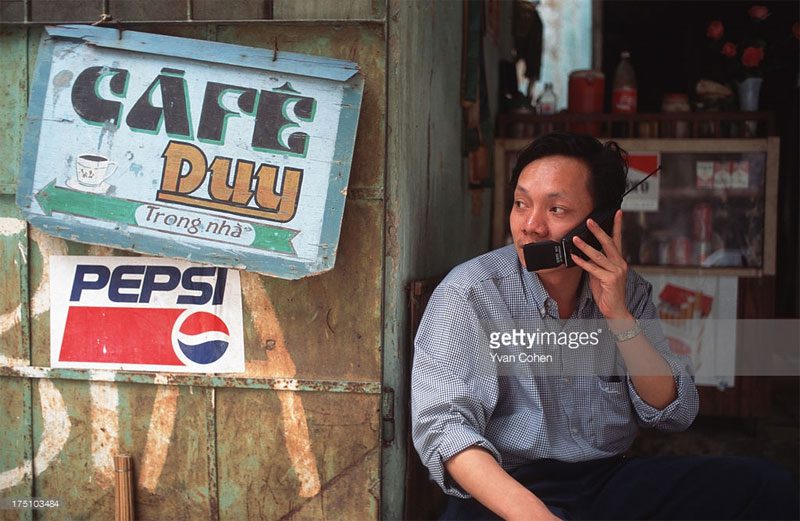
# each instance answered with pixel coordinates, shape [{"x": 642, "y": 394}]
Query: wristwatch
[{"x": 630, "y": 333}]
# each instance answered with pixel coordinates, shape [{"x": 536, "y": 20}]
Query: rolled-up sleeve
[
  {"x": 678, "y": 415},
  {"x": 453, "y": 385}
]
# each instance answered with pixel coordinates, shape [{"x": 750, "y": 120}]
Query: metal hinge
[{"x": 387, "y": 423}]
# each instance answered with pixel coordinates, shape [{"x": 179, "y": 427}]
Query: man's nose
[{"x": 536, "y": 224}]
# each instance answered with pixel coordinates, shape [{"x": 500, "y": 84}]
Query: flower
[
  {"x": 758, "y": 12},
  {"x": 752, "y": 56},
  {"x": 729, "y": 50},
  {"x": 738, "y": 51},
  {"x": 715, "y": 30}
]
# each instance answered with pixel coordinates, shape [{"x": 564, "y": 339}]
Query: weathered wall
[
  {"x": 296, "y": 437},
  {"x": 327, "y": 9},
  {"x": 433, "y": 220}
]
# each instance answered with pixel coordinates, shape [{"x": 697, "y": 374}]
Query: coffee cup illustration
[{"x": 93, "y": 170}]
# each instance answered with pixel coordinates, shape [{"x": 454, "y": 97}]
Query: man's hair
[{"x": 608, "y": 163}]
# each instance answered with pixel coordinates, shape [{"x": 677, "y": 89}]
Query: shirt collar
[{"x": 541, "y": 300}]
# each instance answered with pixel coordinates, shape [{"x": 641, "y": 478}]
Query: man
[{"x": 548, "y": 446}]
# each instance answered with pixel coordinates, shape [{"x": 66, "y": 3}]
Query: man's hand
[{"x": 608, "y": 271}]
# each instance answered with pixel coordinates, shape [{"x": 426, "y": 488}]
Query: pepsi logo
[{"x": 200, "y": 337}]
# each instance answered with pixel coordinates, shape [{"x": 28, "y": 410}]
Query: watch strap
[{"x": 630, "y": 333}]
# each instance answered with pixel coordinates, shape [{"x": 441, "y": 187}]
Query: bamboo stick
[{"x": 123, "y": 497}]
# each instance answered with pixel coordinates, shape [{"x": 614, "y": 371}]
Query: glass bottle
[
  {"x": 547, "y": 100},
  {"x": 623, "y": 100}
]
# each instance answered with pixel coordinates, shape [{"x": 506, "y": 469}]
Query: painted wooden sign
[{"x": 217, "y": 153}]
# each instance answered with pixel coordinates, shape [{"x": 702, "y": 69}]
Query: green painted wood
[
  {"x": 211, "y": 453},
  {"x": 239, "y": 10},
  {"x": 180, "y": 489},
  {"x": 433, "y": 220},
  {"x": 135, "y": 10},
  {"x": 15, "y": 441},
  {"x": 13, "y": 103},
  {"x": 257, "y": 477},
  {"x": 34, "y": 36},
  {"x": 327, "y": 10},
  {"x": 13, "y": 291},
  {"x": 66, "y": 11},
  {"x": 15, "y": 408}
]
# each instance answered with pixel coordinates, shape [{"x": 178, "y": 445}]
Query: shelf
[
  {"x": 669, "y": 125},
  {"x": 697, "y": 271},
  {"x": 704, "y": 193}
]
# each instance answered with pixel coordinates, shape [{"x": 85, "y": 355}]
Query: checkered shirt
[{"x": 458, "y": 401}]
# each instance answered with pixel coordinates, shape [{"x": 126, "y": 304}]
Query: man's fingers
[
  {"x": 590, "y": 267},
  {"x": 610, "y": 246},
  {"x": 618, "y": 230},
  {"x": 592, "y": 253}
]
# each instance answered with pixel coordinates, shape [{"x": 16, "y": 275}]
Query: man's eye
[
  {"x": 518, "y": 204},
  {"x": 557, "y": 210}
]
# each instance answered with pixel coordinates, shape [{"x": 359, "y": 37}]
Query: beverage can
[
  {"x": 702, "y": 249},
  {"x": 681, "y": 251},
  {"x": 702, "y": 219},
  {"x": 664, "y": 256}
]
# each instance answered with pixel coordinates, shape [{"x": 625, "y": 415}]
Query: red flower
[
  {"x": 729, "y": 49},
  {"x": 758, "y": 12},
  {"x": 715, "y": 30},
  {"x": 752, "y": 56}
]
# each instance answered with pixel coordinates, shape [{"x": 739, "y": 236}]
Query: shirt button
[
  {"x": 574, "y": 430},
  {"x": 567, "y": 380}
]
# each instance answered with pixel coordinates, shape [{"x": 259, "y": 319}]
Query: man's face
[{"x": 551, "y": 198}]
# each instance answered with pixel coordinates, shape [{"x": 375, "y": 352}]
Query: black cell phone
[{"x": 551, "y": 254}]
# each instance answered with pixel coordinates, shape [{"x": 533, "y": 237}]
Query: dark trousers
[{"x": 668, "y": 487}]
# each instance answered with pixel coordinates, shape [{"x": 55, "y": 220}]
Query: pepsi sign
[{"x": 145, "y": 314}]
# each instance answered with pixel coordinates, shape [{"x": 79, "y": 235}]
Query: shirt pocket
[{"x": 612, "y": 423}]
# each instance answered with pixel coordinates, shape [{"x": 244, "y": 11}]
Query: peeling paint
[
  {"x": 11, "y": 226},
  {"x": 60, "y": 82},
  {"x": 23, "y": 252},
  {"x": 100, "y": 251},
  {"x": 279, "y": 363},
  {"x": 55, "y": 431},
  {"x": 6, "y": 361},
  {"x": 49, "y": 246},
  {"x": 105, "y": 431},
  {"x": 9, "y": 320},
  {"x": 96, "y": 375},
  {"x": 158, "y": 437}
]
